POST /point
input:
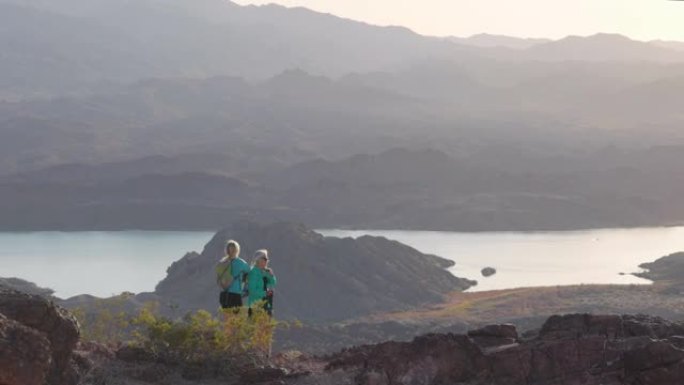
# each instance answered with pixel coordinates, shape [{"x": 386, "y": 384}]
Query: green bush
[{"x": 197, "y": 337}]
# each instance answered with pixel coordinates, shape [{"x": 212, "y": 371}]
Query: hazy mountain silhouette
[
  {"x": 677, "y": 45},
  {"x": 490, "y": 189},
  {"x": 116, "y": 171},
  {"x": 487, "y": 40},
  {"x": 84, "y": 45},
  {"x": 295, "y": 116},
  {"x": 75, "y": 46},
  {"x": 289, "y": 118},
  {"x": 115, "y": 97},
  {"x": 602, "y": 47}
]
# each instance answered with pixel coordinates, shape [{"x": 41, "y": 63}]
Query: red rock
[
  {"x": 24, "y": 354},
  {"x": 577, "y": 349},
  {"x": 54, "y": 323}
]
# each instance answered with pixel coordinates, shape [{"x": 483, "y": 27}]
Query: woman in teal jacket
[{"x": 260, "y": 282}]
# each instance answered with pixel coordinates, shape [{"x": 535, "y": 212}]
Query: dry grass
[{"x": 493, "y": 306}]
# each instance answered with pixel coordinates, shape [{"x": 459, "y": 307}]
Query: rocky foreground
[
  {"x": 39, "y": 344},
  {"x": 37, "y": 341},
  {"x": 571, "y": 349}
]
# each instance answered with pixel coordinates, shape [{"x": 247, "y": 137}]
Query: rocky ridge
[{"x": 571, "y": 349}]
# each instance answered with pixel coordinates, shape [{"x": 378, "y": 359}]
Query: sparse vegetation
[
  {"x": 540, "y": 302},
  {"x": 105, "y": 321},
  {"x": 197, "y": 337},
  {"x": 200, "y": 336}
]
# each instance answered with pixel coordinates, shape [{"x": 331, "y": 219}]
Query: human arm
[{"x": 271, "y": 278}]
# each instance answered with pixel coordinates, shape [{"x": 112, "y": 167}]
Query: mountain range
[
  {"x": 169, "y": 113},
  {"x": 84, "y": 46},
  {"x": 487, "y": 190}
]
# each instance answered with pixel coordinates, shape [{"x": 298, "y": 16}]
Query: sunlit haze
[{"x": 639, "y": 19}]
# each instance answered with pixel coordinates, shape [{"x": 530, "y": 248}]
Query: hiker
[
  {"x": 261, "y": 282},
  {"x": 231, "y": 272}
]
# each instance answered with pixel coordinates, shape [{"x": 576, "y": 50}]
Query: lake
[
  {"x": 106, "y": 263},
  {"x": 101, "y": 263},
  {"x": 543, "y": 258}
]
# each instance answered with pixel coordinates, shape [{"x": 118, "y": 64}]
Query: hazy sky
[{"x": 640, "y": 19}]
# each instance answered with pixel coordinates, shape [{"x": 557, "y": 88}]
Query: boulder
[
  {"x": 610, "y": 326},
  {"x": 488, "y": 271},
  {"x": 494, "y": 335},
  {"x": 435, "y": 358},
  {"x": 55, "y": 324},
  {"x": 575, "y": 325},
  {"x": 496, "y": 331},
  {"x": 25, "y": 356}
]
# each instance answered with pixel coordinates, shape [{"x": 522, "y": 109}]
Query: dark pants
[{"x": 230, "y": 300}]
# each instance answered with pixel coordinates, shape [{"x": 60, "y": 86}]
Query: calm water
[
  {"x": 98, "y": 263},
  {"x": 544, "y": 258},
  {"x": 106, "y": 263}
]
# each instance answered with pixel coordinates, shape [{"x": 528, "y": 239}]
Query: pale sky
[{"x": 639, "y": 19}]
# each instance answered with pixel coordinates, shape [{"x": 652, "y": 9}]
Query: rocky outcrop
[
  {"x": 26, "y": 287},
  {"x": 24, "y": 354},
  {"x": 572, "y": 349},
  {"x": 494, "y": 335},
  {"x": 667, "y": 271},
  {"x": 38, "y": 340},
  {"x": 575, "y": 349},
  {"x": 320, "y": 278}
]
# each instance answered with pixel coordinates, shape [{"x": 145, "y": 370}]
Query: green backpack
[{"x": 224, "y": 274}]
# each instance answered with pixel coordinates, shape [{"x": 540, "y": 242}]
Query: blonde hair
[
  {"x": 233, "y": 243},
  {"x": 259, "y": 255}
]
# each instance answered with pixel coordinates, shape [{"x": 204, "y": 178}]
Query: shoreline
[
  {"x": 525, "y": 302},
  {"x": 462, "y": 265}
]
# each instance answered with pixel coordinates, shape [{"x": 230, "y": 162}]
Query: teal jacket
[
  {"x": 239, "y": 268},
  {"x": 255, "y": 284}
]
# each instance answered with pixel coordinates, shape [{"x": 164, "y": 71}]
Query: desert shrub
[
  {"x": 105, "y": 321},
  {"x": 198, "y": 337},
  {"x": 201, "y": 337}
]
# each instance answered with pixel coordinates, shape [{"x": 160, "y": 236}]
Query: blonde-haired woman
[
  {"x": 261, "y": 282},
  {"x": 230, "y": 271}
]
